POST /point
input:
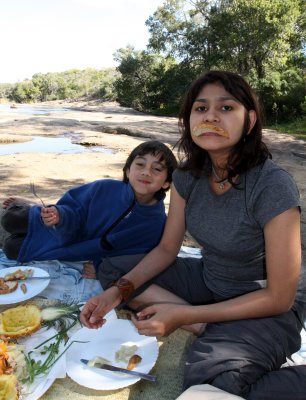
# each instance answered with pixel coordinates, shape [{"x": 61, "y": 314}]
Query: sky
[{"x": 41, "y": 36}]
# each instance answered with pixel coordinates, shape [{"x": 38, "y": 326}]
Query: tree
[
  {"x": 138, "y": 72},
  {"x": 263, "y": 40},
  {"x": 240, "y": 35},
  {"x": 23, "y": 92},
  {"x": 70, "y": 84}
]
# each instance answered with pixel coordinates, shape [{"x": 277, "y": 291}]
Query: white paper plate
[
  {"x": 33, "y": 286},
  {"x": 105, "y": 342},
  {"x": 40, "y": 385}
]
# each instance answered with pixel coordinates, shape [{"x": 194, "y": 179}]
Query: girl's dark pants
[{"x": 241, "y": 357}]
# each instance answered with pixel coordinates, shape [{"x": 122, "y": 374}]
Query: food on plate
[
  {"x": 3, "y": 358},
  {"x": 97, "y": 361},
  {"x": 23, "y": 287},
  {"x": 23, "y": 320},
  {"x": 125, "y": 353},
  {"x": 7, "y": 287},
  {"x": 8, "y": 387},
  {"x": 19, "y": 274},
  {"x": 20, "y": 365},
  {"x": 12, "y": 369},
  {"x": 20, "y": 321},
  {"x": 12, "y": 359},
  {"x": 133, "y": 361},
  {"x": 205, "y": 128}
]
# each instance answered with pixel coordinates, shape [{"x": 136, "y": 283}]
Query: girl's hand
[
  {"x": 92, "y": 314},
  {"x": 159, "y": 319},
  {"x": 50, "y": 215}
]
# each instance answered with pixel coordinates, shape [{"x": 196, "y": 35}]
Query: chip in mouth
[{"x": 205, "y": 128}]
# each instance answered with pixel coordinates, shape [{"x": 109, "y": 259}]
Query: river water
[
  {"x": 27, "y": 109},
  {"x": 45, "y": 144},
  {"x": 50, "y": 145}
]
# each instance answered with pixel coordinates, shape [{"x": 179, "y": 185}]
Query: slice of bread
[
  {"x": 7, "y": 287},
  {"x": 8, "y": 387},
  {"x": 20, "y": 321}
]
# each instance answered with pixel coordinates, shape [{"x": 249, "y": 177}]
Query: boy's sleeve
[{"x": 73, "y": 209}]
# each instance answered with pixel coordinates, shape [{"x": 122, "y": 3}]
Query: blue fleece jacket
[{"x": 86, "y": 212}]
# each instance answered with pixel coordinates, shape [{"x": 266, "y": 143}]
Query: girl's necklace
[{"x": 222, "y": 182}]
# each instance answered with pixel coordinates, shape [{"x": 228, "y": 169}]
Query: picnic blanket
[{"x": 68, "y": 285}]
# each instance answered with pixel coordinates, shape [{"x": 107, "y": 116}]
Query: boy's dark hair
[
  {"x": 157, "y": 149},
  {"x": 248, "y": 152}
]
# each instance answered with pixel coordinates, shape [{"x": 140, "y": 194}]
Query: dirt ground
[{"x": 117, "y": 128}]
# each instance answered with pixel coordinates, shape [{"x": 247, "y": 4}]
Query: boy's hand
[{"x": 50, "y": 215}]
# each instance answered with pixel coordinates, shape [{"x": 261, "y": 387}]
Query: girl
[
  {"x": 245, "y": 213},
  {"x": 105, "y": 218}
]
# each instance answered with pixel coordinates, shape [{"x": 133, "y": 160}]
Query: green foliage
[
  {"x": 263, "y": 40},
  {"x": 238, "y": 35},
  {"x": 4, "y": 89},
  {"x": 149, "y": 82},
  {"x": 297, "y": 127},
  {"x": 70, "y": 84},
  {"x": 282, "y": 95}
]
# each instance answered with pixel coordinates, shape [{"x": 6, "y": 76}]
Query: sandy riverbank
[{"x": 111, "y": 126}]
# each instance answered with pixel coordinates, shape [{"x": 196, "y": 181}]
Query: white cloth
[{"x": 206, "y": 392}]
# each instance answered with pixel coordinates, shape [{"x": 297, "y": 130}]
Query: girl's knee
[
  {"x": 233, "y": 382},
  {"x": 230, "y": 376}
]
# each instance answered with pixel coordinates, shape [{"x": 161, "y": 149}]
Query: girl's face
[
  {"x": 217, "y": 107},
  {"x": 147, "y": 175}
]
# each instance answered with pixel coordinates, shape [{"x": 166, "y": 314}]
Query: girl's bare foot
[
  {"x": 16, "y": 200},
  {"x": 89, "y": 271}
]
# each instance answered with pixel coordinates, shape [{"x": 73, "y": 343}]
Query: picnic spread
[{"x": 68, "y": 378}]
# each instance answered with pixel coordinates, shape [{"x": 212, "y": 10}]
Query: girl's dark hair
[
  {"x": 248, "y": 152},
  {"x": 157, "y": 149}
]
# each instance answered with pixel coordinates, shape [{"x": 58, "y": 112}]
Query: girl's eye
[
  {"x": 200, "y": 108},
  {"x": 227, "y": 108},
  {"x": 139, "y": 164}
]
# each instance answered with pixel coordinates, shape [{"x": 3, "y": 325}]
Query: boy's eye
[{"x": 157, "y": 169}]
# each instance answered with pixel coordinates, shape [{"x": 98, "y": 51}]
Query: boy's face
[{"x": 147, "y": 175}]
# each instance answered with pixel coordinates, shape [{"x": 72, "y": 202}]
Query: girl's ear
[
  {"x": 127, "y": 173},
  {"x": 253, "y": 119}
]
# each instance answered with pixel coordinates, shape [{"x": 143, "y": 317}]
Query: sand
[{"x": 113, "y": 127}]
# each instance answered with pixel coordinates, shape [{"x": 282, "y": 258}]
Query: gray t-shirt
[{"x": 229, "y": 227}]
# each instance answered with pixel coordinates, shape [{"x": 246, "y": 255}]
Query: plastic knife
[{"x": 112, "y": 368}]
